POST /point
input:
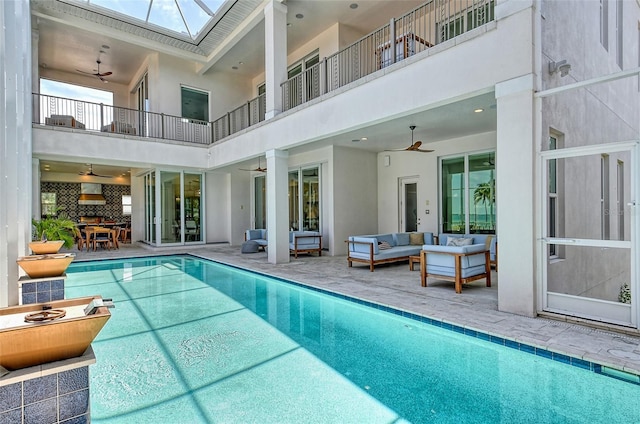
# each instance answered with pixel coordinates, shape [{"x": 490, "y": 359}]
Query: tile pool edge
[{"x": 610, "y": 370}]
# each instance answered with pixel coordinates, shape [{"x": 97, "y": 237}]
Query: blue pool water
[{"x": 193, "y": 341}]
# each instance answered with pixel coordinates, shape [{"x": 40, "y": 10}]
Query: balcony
[{"x": 422, "y": 28}]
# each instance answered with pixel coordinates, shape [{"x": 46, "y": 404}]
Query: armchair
[
  {"x": 461, "y": 264},
  {"x": 305, "y": 242}
]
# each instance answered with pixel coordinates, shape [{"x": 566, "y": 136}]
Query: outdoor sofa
[{"x": 372, "y": 250}]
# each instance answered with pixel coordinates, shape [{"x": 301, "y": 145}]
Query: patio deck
[{"x": 394, "y": 285}]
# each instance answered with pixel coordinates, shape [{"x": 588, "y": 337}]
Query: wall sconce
[
  {"x": 563, "y": 67},
  {"x": 387, "y": 160}
]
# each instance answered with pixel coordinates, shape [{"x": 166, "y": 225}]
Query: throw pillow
[
  {"x": 383, "y": 245},
  {"x": 402, "y": 239},
  {"x": 459, "y": 241},
  {"x": 416, "y": 239}
]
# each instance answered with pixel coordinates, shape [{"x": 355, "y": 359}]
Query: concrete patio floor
[{"x": 394, "y": 285}]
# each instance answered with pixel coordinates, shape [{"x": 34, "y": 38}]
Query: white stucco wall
[
  {"x": 354, "y": 196},
  {"x": 218, "y": 209}
]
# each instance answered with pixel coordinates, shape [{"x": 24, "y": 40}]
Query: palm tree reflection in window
[{"x": 485, "y": 193}]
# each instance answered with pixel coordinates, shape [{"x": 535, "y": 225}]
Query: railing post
[
  {"x": 101, "y": 117},
  {"x": 228, "y": 124},
  {"x": 392, "y": 40},
  {"x": 162, "y": 125},
  {"x": 248, "y": 114}
]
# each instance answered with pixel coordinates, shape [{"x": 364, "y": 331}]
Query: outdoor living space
[{"x": 395, "y": 286}]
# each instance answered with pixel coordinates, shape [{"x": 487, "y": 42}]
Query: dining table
[{"x": 91, "y": 232}]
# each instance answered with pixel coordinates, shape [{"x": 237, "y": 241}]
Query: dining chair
[
  {"x": 101, "y": 236},
  {"x": 80, "y": 238}
]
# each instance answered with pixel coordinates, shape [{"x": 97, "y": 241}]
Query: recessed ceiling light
[
  {"x": 478, "y": 110},
  {"x": 364, "y": 138},
  {"x": 299, "y": 16},
  {"x": 240, "y": 63},
  {"x": 288, "y": 24},
  {"x": 353, "y": 5},
  {"x": 44, "y": 65}
]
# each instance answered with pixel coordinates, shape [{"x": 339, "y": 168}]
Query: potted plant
[{"x": 51, "y": 233}]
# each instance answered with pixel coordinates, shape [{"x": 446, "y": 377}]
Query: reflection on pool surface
[{"x": 194, "y": 341}]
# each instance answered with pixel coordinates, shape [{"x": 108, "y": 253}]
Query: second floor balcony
[{"x": 427, "y": 26}]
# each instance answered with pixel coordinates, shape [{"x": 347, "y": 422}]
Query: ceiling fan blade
[
  {"x": 423, "y": 150},
  {"x": 258, "y": 169},
  {"x": 106, "y": 74}
]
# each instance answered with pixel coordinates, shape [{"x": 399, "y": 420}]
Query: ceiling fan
[
  {"x": 91, "y": 174},
  {"x": 415, "y": 146},
  {"x": 97, "y": 74},
  {"x": 258, "y": 169}
]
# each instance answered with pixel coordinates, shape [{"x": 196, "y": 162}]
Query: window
[
  {"x": 126, "y": 204},
  {"x": 307, "y": 84},
  {"x": 195, "y": 104},
  {"x": 619, "y": 33},
  {"x": 604, "y": 24},
  {"x": 468, "y": 194},
  {"x": 604, "y": 197},
  {"x": 620, "y": 177},
  {"x": 555, "y": 196},
  {"x": 48, "y": 204}
]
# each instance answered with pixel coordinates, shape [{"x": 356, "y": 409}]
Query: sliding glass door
[
  {"x": 304, "y": 199},
  {"x": 179, "y": 210}
]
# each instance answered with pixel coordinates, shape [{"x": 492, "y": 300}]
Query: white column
[
  {"x": 35, "y": 183},
  {"x": 275, "y": 55},
  {"x": 15, "y": 142},
  {"x": 515, "y": 187},
  {"x": 277, "y": 206}
]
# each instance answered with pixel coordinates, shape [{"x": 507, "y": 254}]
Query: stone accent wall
[
  {"x": 67, "y": 195},
  {"x": 41, "y": 290}
]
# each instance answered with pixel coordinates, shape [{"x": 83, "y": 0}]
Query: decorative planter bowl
[
  {"x": 45, "y": 247},
  {"x": 25, "y": 344},
  {"x": 41, "y": 266}
]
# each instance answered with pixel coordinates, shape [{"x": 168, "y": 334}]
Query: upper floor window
[
  {"x": 604, "y": 23},
  {"x": 195, "y": 104},
  {"x": 126, "y": 204},
  {"x": 619, "y": 33}
]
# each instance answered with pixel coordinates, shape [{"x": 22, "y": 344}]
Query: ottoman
[{"x": 250, "y": 246}]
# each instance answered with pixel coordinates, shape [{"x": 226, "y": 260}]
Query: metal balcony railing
[
  {"x": 58, "y": 111},
  {"x": 427, "y": 25}
]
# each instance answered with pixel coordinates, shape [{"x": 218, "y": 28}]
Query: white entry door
[{"x": 588, "y": 249}]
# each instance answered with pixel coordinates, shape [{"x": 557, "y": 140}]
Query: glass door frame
[
  {"x": 601, "y": 310},
  {"x": 403, "y": 182}
]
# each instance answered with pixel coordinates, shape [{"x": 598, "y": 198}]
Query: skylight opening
[{"x": 185, "y": 17}]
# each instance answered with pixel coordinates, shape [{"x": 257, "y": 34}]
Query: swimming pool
[{"x": 194, "y": 341}]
